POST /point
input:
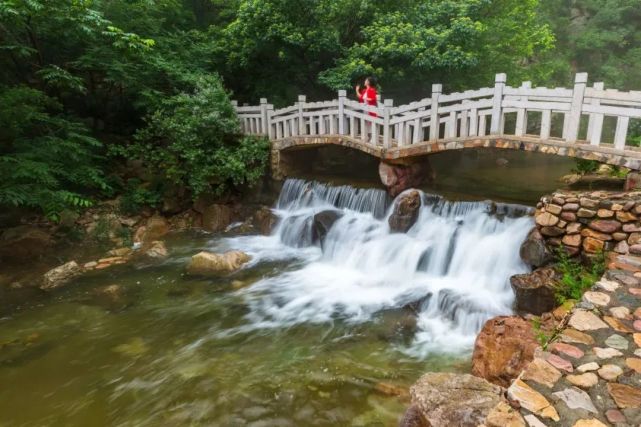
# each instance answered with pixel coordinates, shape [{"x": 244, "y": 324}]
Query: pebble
[
  {"x": 607, "y": 285},
  {"x": 573, "y": 336},
  {"x": 589, "y": 423},
  {"x": 597, "y": 298},
  {"x": 586, "y": 380},
  {"x": 575, "y": 398},
  {"x": 531, "y": 400},
  {"x": 615, "y": 416},
  {"x": 617, "y": 325},
  {"x": 637, "y": 352},
  {"x": 625, "y": 396},
  {"x": 635, "y": 291},
  {"x": 617, "y": 341},
  {"x": 637, "y": 312},
  {"x": 559, "y": 363},
  {"x": 587, "y": 367},
  {"x": 637, "y": 339},
  {"x": 567, "y": 349},
  {"x": 610, "y": 372},
  {"x": 620, "y": 312},
  {"x": 637, "y": 325},
  {"x": 606, "y": 353},
  {"x": 586, "y": 321},
  {"x": 542, "y": 372},
  {"x": 634, "y": 363}
]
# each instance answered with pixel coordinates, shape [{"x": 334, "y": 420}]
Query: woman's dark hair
[{"x": 372, "y": 81}]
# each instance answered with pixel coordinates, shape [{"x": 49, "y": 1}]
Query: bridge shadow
[{"x": 469, "y": 174}]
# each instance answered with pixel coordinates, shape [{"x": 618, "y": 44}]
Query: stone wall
[{"x": 586, "y": 223}]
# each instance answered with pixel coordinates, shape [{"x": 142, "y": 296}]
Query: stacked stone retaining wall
[{"x": 586, "y": 223}]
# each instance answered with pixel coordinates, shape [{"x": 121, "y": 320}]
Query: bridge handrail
[{"x": 471, "y": 113}]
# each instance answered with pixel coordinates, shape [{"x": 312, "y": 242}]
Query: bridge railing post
[
  {"x": 574, "y": 116},
  {"x": 497, "y": 110},
  {"x": 521, "y": 113},
  {"x": 435, "y": 123},
  {"x": 595, "y": 123},
  {"x": 387, "y": 129},
  {"x": 264, "y": 125},
  {"x": 269, "y": 112},
  {"x": 301, "y": 119},
  {"x": 342, "y": 94}
]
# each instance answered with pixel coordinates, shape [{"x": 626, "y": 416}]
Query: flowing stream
[{"x": 308, "y": 333}]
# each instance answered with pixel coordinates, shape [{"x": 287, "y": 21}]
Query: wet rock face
[
  {"x": 535, "y": 291},
  {"x": 264, "y": 220},
  {"x": 322, "y": 223},
  {"x": 398, "y": 178},
  {"x": 22, "y": 243},
  {"x": 534, "y": 252},
  {"x": 208, "y": 264},
  {"x": 446, "y": 399},
  {"x": 405, "y": 212},
  {"x": 216, "y": 218},
  {"x": 505, "y": 345}
]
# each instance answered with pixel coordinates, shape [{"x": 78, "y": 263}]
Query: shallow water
[{"x": 306, "y": 334}]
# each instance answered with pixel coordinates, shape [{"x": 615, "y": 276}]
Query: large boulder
[
  {"x": 322, "y": 223},
  {"x": 60, "y": 275},
  {"x": 503, "y": 348},
  {"x": 534, "y": 251},
  {"x": 535, "y": 292},
  {"x": 264, "y": 220},
  {"x": 24, "y": 242},
  {"x": 208, "y": 264},
  {"x": 217, "y": 217},
  {"x": 405, "y": 212},
  {"x": 446, "y": 399}
]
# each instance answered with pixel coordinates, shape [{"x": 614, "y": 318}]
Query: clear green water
[{"x": 157, "y": 358}]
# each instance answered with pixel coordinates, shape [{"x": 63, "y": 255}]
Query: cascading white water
[{"x": 456, "y": 261}]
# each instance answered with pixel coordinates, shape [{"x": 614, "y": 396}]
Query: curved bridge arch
[{"x": 603, "y": 154}]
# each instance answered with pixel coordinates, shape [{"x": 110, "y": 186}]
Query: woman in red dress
[{"x": 368, "y": 94}]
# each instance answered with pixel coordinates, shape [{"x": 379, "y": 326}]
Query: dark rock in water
[
  {"x": 501, "y": 161},
  {"x": 413, "y": 418},
  {"x": 264, "y": 220},
  {"x": 322, "y": 223},
  {"x": 398, "y": 177},
  {"x": 446, "y": 399},
  {"x": 216, "y": 217},
  {"x": 534, "y": 251},
  {"x": 503, "y": 348},
  {"x": 405, "y": 211},
  {"x": 535, "y": 291}
]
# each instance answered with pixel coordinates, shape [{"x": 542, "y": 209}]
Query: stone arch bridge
[{"x": 582, "y": 122}]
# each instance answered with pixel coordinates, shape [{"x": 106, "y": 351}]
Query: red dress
[{"x": 368, "y": 94}]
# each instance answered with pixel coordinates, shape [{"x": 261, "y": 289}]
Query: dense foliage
[{"x": 88, "y": 84}]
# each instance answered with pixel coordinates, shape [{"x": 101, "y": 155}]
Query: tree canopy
[{"x": 87, "y": 84}]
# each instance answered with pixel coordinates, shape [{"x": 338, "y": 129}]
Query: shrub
[
  {"x": 575, "y": 277},
  {"x": 47, "y": 161},
  {"x": 194, "y": 140}
]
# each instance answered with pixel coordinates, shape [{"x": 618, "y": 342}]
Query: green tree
[{"x": 193, "y": 139}]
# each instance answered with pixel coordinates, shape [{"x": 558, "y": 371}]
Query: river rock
[
  {"x": 447, "y": 399},
  {"x": 23, "y": 243},
  {"x": 535, "y": 291},
  {"x": 605, "y": 225},
  {"x": 405, "y": 212},
  {"x": 207, "y": 263},
  {"x": 156, "y": 249},
  {"x": 413, "y": 418},
  {"x": 264, "y": 220},
  {"x": 216, "y": 217},
  {"x": 534, "y": 251},
  {"x": 322, "y": 223},
  {"x": 531, "y": 400},
  {"x": 60, "y": 275},
  {"x": 503, "y": 415},
  {"x": 505, "y": 345},
  {"x": 546, "y": 219},
  {"x": 625, "y": 396}
]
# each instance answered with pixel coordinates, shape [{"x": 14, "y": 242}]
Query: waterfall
[{"x": 454, "y": 263}]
